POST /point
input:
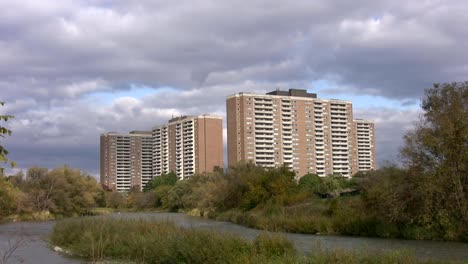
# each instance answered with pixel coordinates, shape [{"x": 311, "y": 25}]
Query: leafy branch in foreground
[{"x": 3, "y": 132}]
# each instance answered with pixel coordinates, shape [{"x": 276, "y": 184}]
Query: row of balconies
[
  {"x": 364, "y": 141},
  {"x": 342, "y": 123},
  {"x": 264, "y": 140},
  {"x": 262, "y": 125},
  {"x": 339, "y": 147},
  {"x": 364, "y": 148},
  {"x": 340, "y": 142},
  {"x": 339, "y": 128},
  {"x": 263, "y": 121},
  {"x": 264, "y": 145},
  {"x": 338, "y": 132},
  {"x": 267, "y": 114}
]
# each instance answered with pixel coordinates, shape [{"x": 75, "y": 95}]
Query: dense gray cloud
[
  {"x": 56, "y": 57},
  {"x": 391, "y": 125}
]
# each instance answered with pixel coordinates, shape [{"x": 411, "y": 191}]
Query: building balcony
[
  {"x": 264, "y": 140},
  {"x": 263, "y": 120},
  {"x": 264, "y": 136},
  {"x": 264, "y": 145},
  {"x": 262, "y": 125}
]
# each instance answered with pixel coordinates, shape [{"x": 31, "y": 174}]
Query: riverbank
[
  {"x": 312, "y": 217},
  {"x": 48, "y": 216},
  {"x": 144, "y": 241},
  {"x": 35, "y": 216},
  {"x": 272, "y": 199},
  {"x": 41, "y": 216},
  {"x": 338, "y": 216}
]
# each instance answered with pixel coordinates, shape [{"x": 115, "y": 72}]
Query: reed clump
[{"x": 146, "y": 241}]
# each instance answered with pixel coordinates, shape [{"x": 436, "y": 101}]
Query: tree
[
  {"x": 437, "y": 149},
  {"x": 4, "y": 131},
  {"x": 63, "y": 190},
  {"x": 115, "y": 200},
  {"x": 8, "y": 198},
  {"x": 310, "y": 182},
  {"x": 165, "y": 179}
]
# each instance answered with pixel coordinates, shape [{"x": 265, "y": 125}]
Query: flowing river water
[{"x": 36, "y": 250}]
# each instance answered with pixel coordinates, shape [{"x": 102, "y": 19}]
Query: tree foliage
[
  {"x": 4, "y": 132},
  {"x": 61, "y": 191},
  {"x": 431, "y": 192},
  {"x": 9, "y": 198},
  {"x": 165, "y": 179},
  {"x": 437, "y": 149}
]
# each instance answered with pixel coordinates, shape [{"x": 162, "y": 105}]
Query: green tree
[
  {"x": 437, "y": 149},
  {"x": 310, "y": 183},
  {"x": 175, "y": 196},
  {"x": 3, "y": 132},
  {"x": 165, "y": 179},
  {"x": 8, "y": 198}
]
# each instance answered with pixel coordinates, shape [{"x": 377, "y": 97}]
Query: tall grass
[
  {"x": 338, "y": 256},
  {"x": 160, "y": 242},
  {"x": 308, "y": 218},
  {"x": 144, "y": 241},
  {"x": 339, "y": 216}
]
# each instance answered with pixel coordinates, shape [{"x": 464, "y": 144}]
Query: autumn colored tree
[{"x": 437, "y": 149}]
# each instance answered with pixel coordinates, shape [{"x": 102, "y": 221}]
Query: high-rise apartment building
[
  {"x": 364, "y": 135},
  {"x": 188, "y": 145},
  {"x": 185, "y": 146},
  {"x": 126, "y": 160},
  {"x": 296, "y": 128}
]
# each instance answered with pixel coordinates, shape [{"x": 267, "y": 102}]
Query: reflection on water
[{"x": 36, "y": 250}]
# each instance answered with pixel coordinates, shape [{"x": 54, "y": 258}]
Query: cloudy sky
[{"x": 70, "y": 70}]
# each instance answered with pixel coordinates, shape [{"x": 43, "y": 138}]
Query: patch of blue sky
[
  {"x": 322, "y": 89},
  {"x": 135, "y": 91},
  {"x": 377, "y": 18}
]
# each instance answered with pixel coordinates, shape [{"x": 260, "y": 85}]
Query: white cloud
[{"x": 77, "y": 89}]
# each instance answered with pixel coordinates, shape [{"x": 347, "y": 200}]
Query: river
[{"x": 36, "y": 250}]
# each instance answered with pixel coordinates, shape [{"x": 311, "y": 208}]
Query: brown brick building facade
[
  {"x": 188, "y": 145},
  {"x": 296, "y": 128},
  {"x": 126, "y": 160}
]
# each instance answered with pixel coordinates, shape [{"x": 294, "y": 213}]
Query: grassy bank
[
  {"x": 35, "y": 216},
  {"x": 339, "y": 216},
  {"x": 310, "y": 217},
  {"x": 140, "y": 241},
  {"x": 47, "y": 215}
]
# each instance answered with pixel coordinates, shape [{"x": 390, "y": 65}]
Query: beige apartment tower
[
  {"x": 126, "y": 160},
  {"x": 308, "y": 134},
  {"x": 365, "y": 141},
  {"x": 188, "y": 145}
]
